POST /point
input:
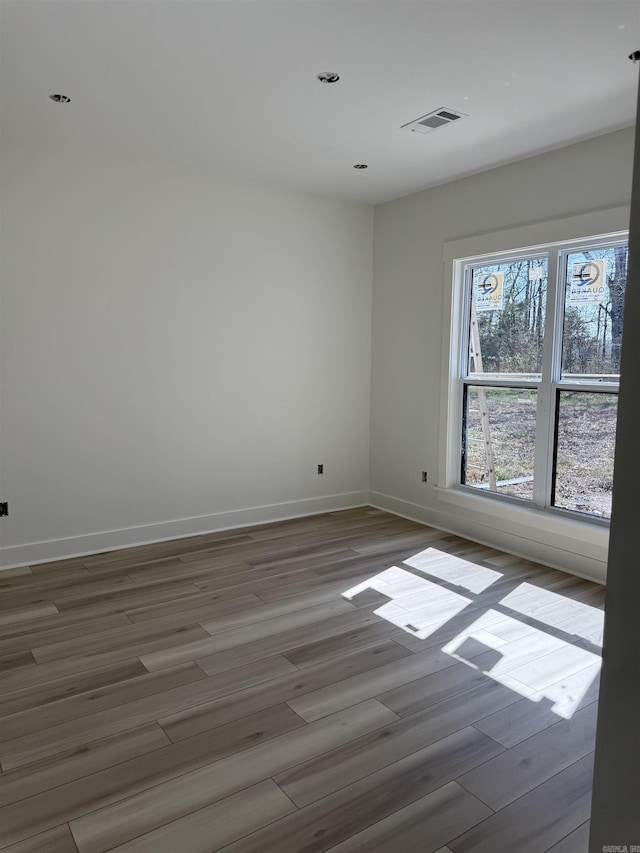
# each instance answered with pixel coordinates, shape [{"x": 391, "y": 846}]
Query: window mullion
[{"x": 545, "y": 414}]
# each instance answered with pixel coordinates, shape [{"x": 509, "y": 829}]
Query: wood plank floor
[{"x": 345, "y": 682}]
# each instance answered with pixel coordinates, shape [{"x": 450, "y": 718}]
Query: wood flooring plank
[
  {"x": 220, "y": 606},
  {"x": 244, "y": 551},
  {"x": 357, "y": 522},
  {"x": 125, "y": 567},
  {"x": 104, "y": 605},
  {"x": 58, "y": 840},
  {"x": 245, "y": 732},
  {"x": 307, "y": 599},
  {"x": 178, "y": 569},
  {"x": 331, "y": 820},
  {"x": 72, "y": 590},
  {"x": 264, "y": 532},
  {"x": 359, "y": 564},
  {"x": 417, "y": 695},
  {"x": 29, "y": 582},
  {"x": 24, "y": 614},
  {"x": 258, "y": 587},
  {"x": 308, "y": 561},
  {"x": 559, "y": 805},
  {"x": 335, "y": 697},
  {"x": 79, "y": 762},
  {"x": 126, "y": 778},
  {"x": 224, "y": 537},
  {"x": 224, "y": 706},
  {"x": 217, "y": 572},
  {"x": 518, "y": 770},
  {"x": 392, "y": 543},
  {"x": 327, "y": 773},
  {"x": 68, "y": 588},
  {"x": 59, "y": 565},
  {"x": 149, "y": 551},
  {"x": 257, "y": 631},
  {"x": 280, "y": 643},
  {"x": 217, "y": 825},
  {"x": 205, "y": 698},
  {"x": 195, "y": 720},
  {"x": 15, "y": 572},
  {"x": 121, "y": 599},
  {"x": 62, "y": 688},
  {"x": 44, "y": 631},
  {"x": 240, "y": 533},
  {"x": 314, "y": 584},
  {"x": 100, "y": 830},
  {"x": 337, "y": 538},
  {"x": 525, "y": 718},
  {"x": 16, "y": 660},
  {"x": 319, "y": 651},
  {"x": 309, "y": 556},
  {"x": 121, "y": 568},
  {"x": 174, "y": 624},
  {"x": 576, "y": 842},
  {"x": 53, "y": 670},
  {"x": 421, "y": 826},
  {"x": 91, "y": 702},
  {"x": 63, "y": 736}
]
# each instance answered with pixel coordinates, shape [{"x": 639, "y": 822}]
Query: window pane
[
  {"x": 584, "y": 452},
  {"x": 508, "y": 304},
  {"x": 595, "y": 282},
  {"x": 499, "y": 440}
]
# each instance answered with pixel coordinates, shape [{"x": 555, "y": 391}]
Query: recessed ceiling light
[
  {"x": 466, "y": 98},
  {"x": 360, "y": 166},
  {"x": 328, "y": 77},
  {"x": 60, "y": 99}
]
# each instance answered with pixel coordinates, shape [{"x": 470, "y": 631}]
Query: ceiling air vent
[{"x": 432, "y": 121}]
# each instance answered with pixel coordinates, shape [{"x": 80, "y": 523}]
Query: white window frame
[{"x": 564, "y": 528}]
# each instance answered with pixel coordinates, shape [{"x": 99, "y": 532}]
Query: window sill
[{"x": 575, "y": 534}]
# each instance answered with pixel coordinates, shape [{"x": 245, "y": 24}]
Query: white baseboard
[
  {"x": 566, "y": 560},
  {"x": 582, "y": 565},
  {"x": 112, "y": 540}
]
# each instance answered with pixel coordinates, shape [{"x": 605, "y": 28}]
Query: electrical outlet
[
  {"x": 320, "y": 469},
  {"x": 424, "y": 476},
  {"x": 4, "y": 508}
]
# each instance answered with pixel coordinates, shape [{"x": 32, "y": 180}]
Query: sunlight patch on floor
[
  {"x": 534, "y": 664},
  {"x": 524, "y": 657},
  {"x": 416, "y": 605},
  {"x": 555, "y": 610},
  {"x": 454, "y": 570}
]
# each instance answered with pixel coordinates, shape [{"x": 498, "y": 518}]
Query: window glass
[
  {"x": 507, "y": 323},
  {"x": 499, "y": 440},
  {"x": 585, "y": 447},
  {"x": 595, "y": 283}
]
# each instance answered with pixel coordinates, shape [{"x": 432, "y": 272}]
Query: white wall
[
  {"x": 407, "y": 321},
  {"x": 179, "y": 351},
  {"x": 174, "y": 347}
]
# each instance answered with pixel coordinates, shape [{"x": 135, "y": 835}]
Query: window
[{"x": 539, "y": 365}]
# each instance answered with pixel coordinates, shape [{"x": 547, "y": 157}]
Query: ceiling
[{"x": 230, "y": 85}]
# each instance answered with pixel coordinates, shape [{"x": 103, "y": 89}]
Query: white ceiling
[{"x": 230, "y": 85}]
